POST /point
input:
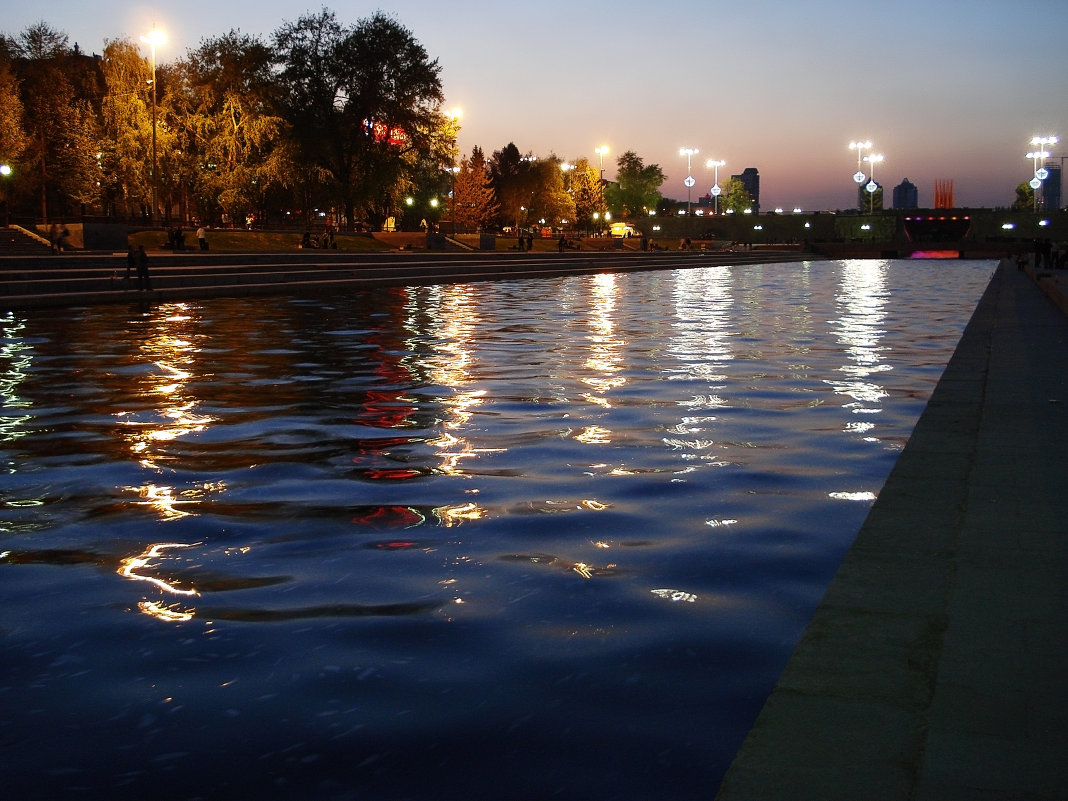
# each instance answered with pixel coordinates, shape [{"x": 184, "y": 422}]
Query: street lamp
[
  {"x": 1040, "y": 152},
  {"x": 154, "y": 37},
  {"x": 453, "y": 115},
  {"x": 872, "y": 186},
  {"x": 566, "y": 169},
  {"x": 602, "y": 151},
  {"x": 859, "y": 175},
  {"x": 716, "y": 191},
  {"x": 5, "y": 173},
  {"x": 688, "y": 152}
]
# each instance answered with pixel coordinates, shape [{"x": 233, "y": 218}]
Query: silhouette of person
[{"x": 143, "y": 280}]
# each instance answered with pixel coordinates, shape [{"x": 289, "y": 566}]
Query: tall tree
[
  {"x": 12, "y": 134},
  {"x": 474, "y": 204},
  {"x": 587, "y": 191},
  {"x": 226, "y": 128},
  {"x": 550, "y": 202},
  {"x": 514, "y": 182},
  {"x": 1025, "y": 198},
  {"x": 48, "y": 93},
  {"x": 362, "y": 102},
  {"x": 127, "y": 128},
  {"x": 637, "y": 187},
  {"x": 735, "y": 198}
]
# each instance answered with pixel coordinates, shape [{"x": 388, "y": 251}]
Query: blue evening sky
[{"x": 946, "y": 89}]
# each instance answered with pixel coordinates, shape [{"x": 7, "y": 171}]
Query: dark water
[{"x": 523, "y": 540}]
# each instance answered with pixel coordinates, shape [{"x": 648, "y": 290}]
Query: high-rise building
[
  {"x": 750, "y": 178},
  {"x": 906, "y": 196},
  {"x": 1051, "y": 188}
]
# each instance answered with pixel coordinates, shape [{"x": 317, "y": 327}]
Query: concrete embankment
[
  {"x": 90, "y": 279},
  {"x": 935, "y": 667}
]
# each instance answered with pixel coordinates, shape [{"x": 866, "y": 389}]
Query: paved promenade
[{"x": 936, "y": 667}]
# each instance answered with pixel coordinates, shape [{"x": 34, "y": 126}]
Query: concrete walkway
[{"x": 936, "y": 667}]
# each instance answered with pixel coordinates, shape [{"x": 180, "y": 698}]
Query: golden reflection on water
[
  {"x": 173, "y": 356},
  {"x": 456, "y": 318},
  {"x": 142, "y": 567},
  {"x": 606, "y": 348}
]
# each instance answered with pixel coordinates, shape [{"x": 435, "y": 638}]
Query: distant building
[
  {"x": 1051, "y": 188},
  {"x": 750, "y": 178},
  {"x": 906, "y": 196}
]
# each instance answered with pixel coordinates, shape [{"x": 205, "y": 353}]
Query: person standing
[
  {"x": 143, "y": 280},
  {"x": 202, "y": 238},
  {"x": 131, "y": 266}
]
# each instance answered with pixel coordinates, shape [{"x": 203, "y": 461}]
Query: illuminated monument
[{"x": 943, "y": 195}]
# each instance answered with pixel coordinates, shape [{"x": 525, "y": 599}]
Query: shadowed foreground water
[{"x": 521, "y": 539}]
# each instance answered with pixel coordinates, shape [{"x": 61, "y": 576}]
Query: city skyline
[{"x": 952, "y": 91}]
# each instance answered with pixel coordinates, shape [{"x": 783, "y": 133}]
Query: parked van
[{"x": 623, "y": 229}]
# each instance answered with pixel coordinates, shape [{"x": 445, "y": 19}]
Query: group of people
[
  {"x": 176, "y": 238},
  {"x": 326, "y": 240},
  {"x": 1049, "y": 255}
]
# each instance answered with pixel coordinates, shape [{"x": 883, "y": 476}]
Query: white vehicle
[{"x": 624, "y": 229}]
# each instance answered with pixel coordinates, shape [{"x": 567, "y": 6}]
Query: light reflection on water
[{"x": 536, "y": 536}]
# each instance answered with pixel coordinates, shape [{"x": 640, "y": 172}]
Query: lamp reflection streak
[
  {"x": 862, "y": 300},
  {"x": 128, "y": 567},
  {"x": 171, "y": 351},
  {"x": 701, "y": 344},
  {"x": 16, "y": 358},
  {"x": 605, "y": 347}
]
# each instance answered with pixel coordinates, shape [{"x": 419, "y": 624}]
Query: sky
[{"x": 944, "y": 89}]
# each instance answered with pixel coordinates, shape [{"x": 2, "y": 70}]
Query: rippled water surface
[{"x": 520, "y": 539}]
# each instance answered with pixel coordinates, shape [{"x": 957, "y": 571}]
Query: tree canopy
[{"x": 637, "y": 187}]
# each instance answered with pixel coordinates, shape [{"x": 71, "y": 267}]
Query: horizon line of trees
[{"x": 325, "y": 124}]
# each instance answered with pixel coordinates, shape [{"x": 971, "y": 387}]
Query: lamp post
[
  {"x": 154, "y": 37},
  {"x": 5, "y": 173},
  {"x": 860, "y": 147},
  {"x": 454, "y": 115},
  {"x": 872, "y": 186},
  {"x": 1040, "y": 152},
  {"x": 716, "y": 191},
  {"x": 688, "y": 152},
  {"x": 601, "y": 151}
]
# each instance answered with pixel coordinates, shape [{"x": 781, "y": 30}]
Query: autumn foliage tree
[{"x": 474, "y": 204}]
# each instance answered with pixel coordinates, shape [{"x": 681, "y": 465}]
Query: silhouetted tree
[
  {"x": 1025, "y": 198},
  {"x": 514, "y": 181},
  {"x": 361, "y": 103}
]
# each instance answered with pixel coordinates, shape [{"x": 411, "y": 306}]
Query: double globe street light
[
  {"x": 860, "y": 147},
  {"x": 688, "y": 152},
  {"x": 1039, "y": 152},
  {"x": 716, "y": 191},
  {"x": 873, "y": 186}
]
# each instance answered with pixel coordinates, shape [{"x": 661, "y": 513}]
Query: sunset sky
[{"x": 946, "y": 89}]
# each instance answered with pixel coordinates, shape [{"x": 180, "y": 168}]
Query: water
[{"x": 524, "y": 539}]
